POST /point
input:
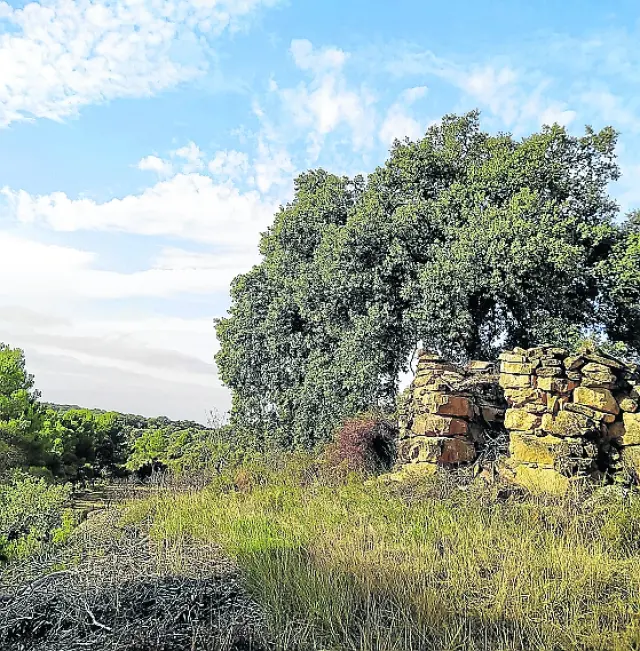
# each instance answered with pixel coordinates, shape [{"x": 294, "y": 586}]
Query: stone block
[
  {"x": 549, "y": 371},
  {"x": 478, "y": 366},
  {"x": 570, "y": 424},
  {"x": 446, "y": 405},
  {"x": 515, "y": 381},
  {"x": 627, "y": 403},
  {"x": 551, "y": 361},
  {"x": 521, "y": 397},
  {"x": 434, "y": 425},
  {"x": 598, "y": 399},
  {"x": 437, "y": 449},
  {"x": 521, "y": 420},
  {"x": 604, "y": 360},
  {"x": 544, "y": 451},
  {"x": 556, "y": 385},
  {"x": 631, "y": 425},
  {"x": 574, "y": 363},
  {"x": 518, "y": 368},
  {"x": 491, "y": 414},
  {"x": 511, "y": 357},
  {"x": 597, "y": 416}
]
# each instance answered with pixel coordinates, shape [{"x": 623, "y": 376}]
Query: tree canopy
[{"x": 465, "y": 241}]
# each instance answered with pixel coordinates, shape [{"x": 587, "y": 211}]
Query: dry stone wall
[
  {"x": 555, "y": 418},
  {"x": 570, "y": 417},
  {"x": 447, "y": 413}
]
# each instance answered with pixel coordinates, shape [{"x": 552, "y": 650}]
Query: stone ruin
[{"x": 543, "y": 419}]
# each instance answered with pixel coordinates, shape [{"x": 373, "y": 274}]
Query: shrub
[
  {"x": 363, "y": 444},
  {"x": 32, "y": 513}
]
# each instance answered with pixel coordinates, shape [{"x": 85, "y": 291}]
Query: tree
[
  {"x": 465, "y": 241},
  {"x": 20, "y": 416}
]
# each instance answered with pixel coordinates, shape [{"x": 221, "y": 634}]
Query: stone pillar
[
  {"x": 436, "y": 415},
  {"x": 566, "y": 420}
]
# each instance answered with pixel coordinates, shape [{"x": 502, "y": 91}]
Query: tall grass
[{"x": 427, "y": 564}]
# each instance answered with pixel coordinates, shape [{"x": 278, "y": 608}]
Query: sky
[{"x": 146, "y": 144}]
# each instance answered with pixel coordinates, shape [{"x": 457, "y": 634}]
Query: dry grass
[{"x": 431, "y": 564}]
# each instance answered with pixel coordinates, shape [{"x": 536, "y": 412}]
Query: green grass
[{"x": 427, "y": 564}]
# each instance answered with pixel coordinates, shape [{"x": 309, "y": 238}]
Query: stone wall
[
  {"x": 570, "y": 417},
  {"x": 548, "y": 418},
  {"x": 448, "y": 413}
]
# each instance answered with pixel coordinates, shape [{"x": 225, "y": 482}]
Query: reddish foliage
[{"x": 363, "y": 444}]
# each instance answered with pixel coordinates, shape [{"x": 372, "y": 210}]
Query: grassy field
[{"x": 431, "y": 563}]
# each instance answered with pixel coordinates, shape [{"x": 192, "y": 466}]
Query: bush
[
  {"x": 363, "y": 444},
  {"x": 32, "y": 513}
]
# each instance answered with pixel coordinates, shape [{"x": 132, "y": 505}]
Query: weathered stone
[
  {"x": 549, "y": 371},
  {"x": 440, "y": 450},
  {"x": 543, "y": 451},
  {"x": 446, "y": 405},
  {"x": 556, "y": 403},
  {"x": 556, "y": 385},
  {"x": 514, "y": 368},
  {"x": 477, "y": 366},
  {"x": 573, "y": 363},
  {"x": 631, "y": 435},
  {"x": 535, "y": 408},
  {"x": 510, "y": 357},
  {"x": 627, "y": 403},
  {"x": 536, "y": 353},
  {"x": 599, "y": 358},
  {"x": 598, "y": 416},
  {"x": 520, "y": 397},
  {"x": 568, "y": 424},
  {"x": 551, "y": 361},
  {"x": 598, "y": 399},
  {"x": 521, "y": 420},
  {"x": 515, "y": 381},
  {"x": 433, "y": 425},
  {"x": 592, "y": 367},
  {"x": 574, "y": 375},
  {"x": 591, "y": 383}
]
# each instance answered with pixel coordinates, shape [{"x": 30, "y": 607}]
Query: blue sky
[{"x": 147, "y": 143}]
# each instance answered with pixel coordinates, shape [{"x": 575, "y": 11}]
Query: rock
[
  {"x": 557, "y": 351},
  {"x": 521, "y": 420},
  {"x": 594, "y": 368},
  {"x": 551, "y": 361},
  {"x": 543, "y": 451},
  {"x": 520, "y": 397},
  {"x": 556, "y": 385},
  {"x": 514, "y": 368},
  {"x": 491, "y": 414},
  {"x": 515, "y": 381},
  {"x": 574, "y": 375},
  {"x": 510, "y": 357},
  {"x": 433, "y": 425},
  {"x": 570, "y": 424},
  {"x": 627, "y": 403},
  {"x": 598, "y": 416},
  {"x": 631, "y": 435},
  {"x": 573, "y": 363},
  {"x": 478, "y": 366},
  {"x": 599, "y": 358},
  {"x": 598, "y": 399},
  {"x": 447, "y": 405},
  {"x": 549, "y": 371},
  {"x": 438, "y": 449}
]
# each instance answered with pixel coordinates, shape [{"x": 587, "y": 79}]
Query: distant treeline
[{"x": 70, "y": 443}]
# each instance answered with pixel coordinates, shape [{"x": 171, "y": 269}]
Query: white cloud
[
  {"x": 192, "y": 157},
  {"x": 155, "y": 164},
  {"x": 231, "y": 164},
  {"x": 188, "y": 206},
  {"x": 327, "y": 102},
  {"x": 398, "y": 123},
  {"x": 60, "y": 55}
]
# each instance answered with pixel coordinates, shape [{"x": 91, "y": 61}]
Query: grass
[{"x": 349, "y": 563}]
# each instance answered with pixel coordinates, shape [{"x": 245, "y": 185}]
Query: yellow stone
[
  {"x": 514, "y": 381},
  {"x": 519, "y": 419},
  {"x": 568, "y": 423},
  {"x": 542, "y": 451},
  {"x": 598, "y": 399},
  {"x": 516, "y": 368},
  {"x": 434, "y": 425},
  {"x": 437, "y": 449},
  {"x": 628, "y": 404},
  {"x": 445, "y": 405},
  {"x": 631, "y": 425}
]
